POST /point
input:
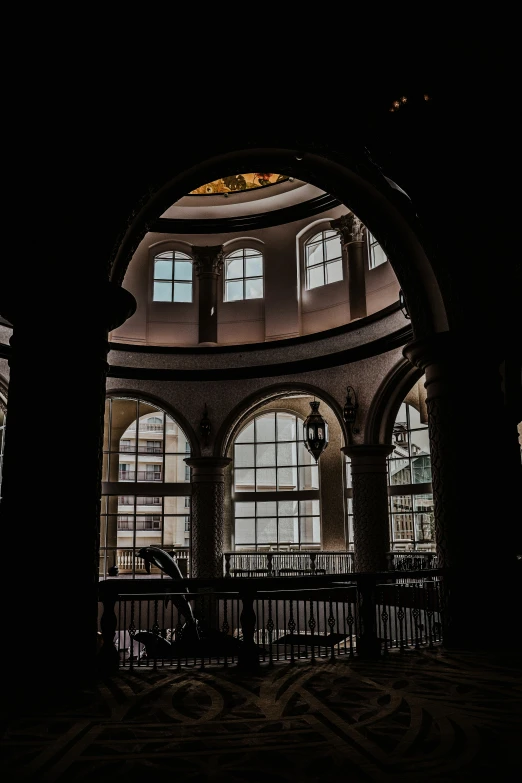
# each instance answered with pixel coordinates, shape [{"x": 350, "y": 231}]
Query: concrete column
[
  {"x": 371, "y": 527},
  {"x": 208, "y": 514},
  {"x": 472, "y": 477},
  {"x": 353, "y": 233},
  {"x": 208, "y": 264},
  {"x": 51, "y": 496}
]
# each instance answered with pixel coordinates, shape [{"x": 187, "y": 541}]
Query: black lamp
[
  {"x": 315, "y": 432},
  {"x": 350, "y": 409}
]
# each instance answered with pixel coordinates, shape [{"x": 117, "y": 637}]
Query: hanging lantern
[{"x": 315, "y": 432}]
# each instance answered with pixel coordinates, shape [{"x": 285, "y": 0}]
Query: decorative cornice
[
  {"x": 208, "y": 259},
  {"x": 246, "y": 222},
  {"x": 372, "y": 348}
]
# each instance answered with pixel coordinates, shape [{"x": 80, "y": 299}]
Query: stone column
[
  {"x": 352, "y": 232},
  {"x": 51, "y": 489},
  {"x": 371, "y": 526},
  {"x": 208, "y": 496},
  {"x": 208, "y": 263},
  {"x": 475, "y": 517}
]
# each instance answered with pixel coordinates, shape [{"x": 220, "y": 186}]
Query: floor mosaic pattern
[{"x": 414, "y": 717}]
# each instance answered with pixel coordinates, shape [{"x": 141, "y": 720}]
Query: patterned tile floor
[{"x": 416, "y": 717}]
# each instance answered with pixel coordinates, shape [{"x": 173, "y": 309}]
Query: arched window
[
  {"x": 410, "y": 492},
  {"x": 323, "y": 259},
  {"x": 376, "y": 255},
  {"x": 276, "y": 486},
  {"x": 243, "y": 275},
  {"x": 172, "y": 277},
  {"x": 409, "y": 480},
  {"x": 145, "y": 486}
]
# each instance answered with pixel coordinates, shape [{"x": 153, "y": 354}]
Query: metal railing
[
  {"x": 412, "y": 561},
  {"x": 286, "y": 563},
  {"x": 248, "y": 622},
  {"x": 127, "y": 561},
  {"x": 140, "y": 475}
]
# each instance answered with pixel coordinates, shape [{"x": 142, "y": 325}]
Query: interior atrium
[{"x": 298, "y": 385}]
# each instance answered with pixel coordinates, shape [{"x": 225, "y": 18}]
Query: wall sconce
[
  {"x": 403, "y": 306},
  {"x": 205, "y": 425},
  {"x": 315, "y": 431},
  {"x": 350, "y": 409}
]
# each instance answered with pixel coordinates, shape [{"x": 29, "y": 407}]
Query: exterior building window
[
  {"x": 410, "y": 495},
  {"x": 172, "y": 277},
  {"x": 276, "y": 486},
  {"x": 243, "y": 275},
  {"x": 409, "y": 480},
  {"x": 376, "y": 255},
  {"x": 323, "y": 259},
  {"x": 131, "y": 521}
]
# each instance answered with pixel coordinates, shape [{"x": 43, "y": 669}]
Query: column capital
[
  {"x": 208, "y": 468},
  {"x": 367, "y": 452},
  {"x": 368, "y": 458},
  {"x": 350, "y": 227},
  {"x": 208, "y": 259}
]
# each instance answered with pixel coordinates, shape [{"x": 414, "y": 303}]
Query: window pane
[
  {"x": 334, "y": 272},
  {"x": 287, "y": 479},
  {"x": 234, "y": 268},
  {"x": 254, "y": 289},
  {"x": 400, "y": 503},
  {"x": 288, "y": 530},
  {"x": 399, "y": 471},
  {"x": 378, "y": 256},
  {"x": 166, "y": 254},
  {"x": 315, "y": 277},
  {"x": 162, "y": 292},
  {"x": 420, "y": 442},
  {"x": 267, "y": 509},
  {"x": 245, "y": 531},
  {"x": 415, "y": 421},
  {"x": 183, "y": 292},
  {"x": 254, "y": 266},
  {"x": 176, "y": 469},
  {"x": 234, "y": 291},
  {"x": 163, "y": 270},
  {"x": 305, "y": 458},
  {"x": 287, "y": 508},
  {"x": 421, "y": 469},
  {"x": 237, "y": 254},
  {"x": 183, "y": 270},
  {"x": 286, "y": 454},
  {"x": 266, "y": 530},
  {"x": 333, "y": 248},
  {"x": 244, "y": 455},
  {"x": 309, "y": 477},
  {"x": 265, "y": 428},
  {"x": 307, "y": 530},
  {"x": 245, "y": 509},
  {"x": 286, "y": 426},
  {"x": 265, "y": 455},
  {"x": 314, "y": 254},
  {"x": 244, "y": 479},
  {"x": 247, "y": 434},
  {"x": 266, "y": 480}
]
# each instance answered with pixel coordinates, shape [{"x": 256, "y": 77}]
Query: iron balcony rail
[
  {"x": 140, "y": 475},
  {"x": 248, "y": 622},
  {"x": 281, "y": 563}
]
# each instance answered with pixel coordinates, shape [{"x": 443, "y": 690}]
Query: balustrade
[{"x": 248, "y": 622}]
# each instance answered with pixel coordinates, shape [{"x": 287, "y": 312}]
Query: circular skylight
[{"x": 238, "y": 182}]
